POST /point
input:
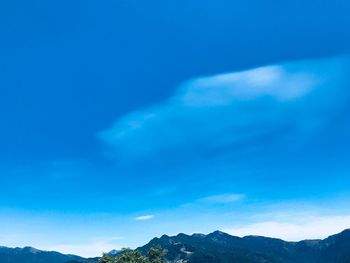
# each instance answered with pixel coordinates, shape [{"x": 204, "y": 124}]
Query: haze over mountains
[{"x": 217, "y": 247}]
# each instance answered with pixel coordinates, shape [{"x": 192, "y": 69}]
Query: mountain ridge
[
  {"x": 33, "y": 255},
  {"x": 215, "y": 247},
  {"x": 220, "y": 247}
]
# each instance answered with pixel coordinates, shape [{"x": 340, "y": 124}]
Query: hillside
[{"x": 219, "y": 247}]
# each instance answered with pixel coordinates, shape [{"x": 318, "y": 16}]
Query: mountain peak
[
  {"x": 31, "y": 250},
  {"x": 345, "y": 232},
  {"x": 164, "y": 237},
  {"x": 219, "y": 235},
  {"x": 218, "y": 232},
  {"x": 199, "y": 235}
]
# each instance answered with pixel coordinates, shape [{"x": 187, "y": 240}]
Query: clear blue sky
[{"x": 123, "y": 120}]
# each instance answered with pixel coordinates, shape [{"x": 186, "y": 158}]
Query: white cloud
[
  {"x": 295, "y": 229},
  {"x": 208, "y": 113},
  {"x": 144, "y": 217},
  {"x": 221, "y": 199},
  {"x": 224, "y": 89}
]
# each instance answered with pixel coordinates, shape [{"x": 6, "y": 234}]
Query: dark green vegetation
[
  {"x": 154, "y": 255},
  {"x": 216, "y": 247}
]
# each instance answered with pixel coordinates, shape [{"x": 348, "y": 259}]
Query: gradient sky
[{"x": 122, "y": 120}]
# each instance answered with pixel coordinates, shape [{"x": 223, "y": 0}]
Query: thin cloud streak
[
  {"x": 144, "y": 217},
  {"x": 221, "y": 199}
]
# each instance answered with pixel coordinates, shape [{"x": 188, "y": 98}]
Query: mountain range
[
  {"x": 216, "y": 247},
  {"x": 33, "y": 255},
  {"x": 219, "y": 247}
]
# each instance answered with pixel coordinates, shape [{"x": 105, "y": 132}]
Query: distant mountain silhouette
[
  {"x": 217, "y": 247},
  {"x": 32, "y": 255}
]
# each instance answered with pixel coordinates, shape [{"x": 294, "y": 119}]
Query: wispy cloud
[
  {"x": 144, "y": 217},
  {"x": 221, "y": 199},
  {"x": 228, "y": 112},
  {"x": 275, "y": 81}
]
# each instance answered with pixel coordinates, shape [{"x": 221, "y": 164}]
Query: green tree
[
  {"x": 106, "y": 258},
  {"x": 155, "y": 255},
  {"x": 130, "y": 256}
]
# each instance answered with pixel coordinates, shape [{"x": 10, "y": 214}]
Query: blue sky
[{"x": 125, "y": 120}]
